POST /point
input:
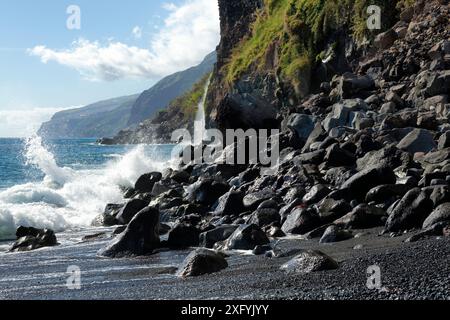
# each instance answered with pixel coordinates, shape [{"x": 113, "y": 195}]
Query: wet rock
[
  {"x": 130, "y": 209},
  {"x": 440, "y": 214},
  {"x": 317, "y": 193},
  {"x": 108, "y": 217},
  {"x": 419, "y": 140},
  {"x": 253, "y": 200},
  {"x": 246, "y": 237},
  {"x": 275, "y": 232},
  {"x": 146, "y": 182},
  {"x": 301, "y": 221},
  {"x": 141, "y": 236},
  {"x": 180, "y": 176},
  {"x": 259, "y": 250},
  {"x": 359, "y": 184},
  {"x": 201, "y": 262},
  {"x": 410, "y": 212},
  {"x": 29, "y": 239},
  {"x": 230, "y": 203},
  {"x": 207, "y": 191},
  {"x": 363, "y": 217},
  {"x": 183, "y": 235},
  {"x": 209, "y": 238},
  {"x": 310, "y": 261},
  {"x": 335, "y": 234}
]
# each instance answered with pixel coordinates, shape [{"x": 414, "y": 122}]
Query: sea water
[{"x": 65, "y": 184}]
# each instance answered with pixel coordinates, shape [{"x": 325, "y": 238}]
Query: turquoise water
[{"x": 64, "y": 184}]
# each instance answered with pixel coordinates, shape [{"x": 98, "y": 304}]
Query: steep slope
[
  {"x": 274, "y": 52},
  {"x": 180, "y": 114},
  {"x": 168, "y": 89},
  {"x": 95, "y": 120}
]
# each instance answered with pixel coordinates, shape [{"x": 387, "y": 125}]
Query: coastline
[{"x": 406, "y": 273}]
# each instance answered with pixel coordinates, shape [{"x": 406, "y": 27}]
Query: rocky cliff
[{"x": 274, "y": 52}]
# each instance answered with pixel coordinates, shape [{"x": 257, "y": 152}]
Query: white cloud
[
  {"x": 137, "y": 32},
  {"x": 188, "y": 34},
  {"x": 24, "y": 122}
]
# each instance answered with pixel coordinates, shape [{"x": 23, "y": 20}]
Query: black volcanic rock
[
  {"x": 29, "y": 238},
  {"x": 141, "y": 236}
]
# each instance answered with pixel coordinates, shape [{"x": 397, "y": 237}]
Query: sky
[{"x": 58, "y": 54}]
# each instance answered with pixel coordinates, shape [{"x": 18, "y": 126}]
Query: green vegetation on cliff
[
  {"x": 188, "y": 103},
  {"x": 297, "y": 30}
]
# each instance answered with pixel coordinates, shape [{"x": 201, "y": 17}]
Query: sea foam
[{"x": 68, "y": 198}]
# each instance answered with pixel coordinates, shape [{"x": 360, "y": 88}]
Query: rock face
[
  {"x": 246, "y": 237},
  {"x": 310, "y": 261},
  {"x": 141, "y": 236},
  {"x": 200, "y": 262},
  {"x": 31, "y": 239}
]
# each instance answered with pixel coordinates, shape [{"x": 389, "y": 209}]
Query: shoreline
[{"x": 406, "y": 273}]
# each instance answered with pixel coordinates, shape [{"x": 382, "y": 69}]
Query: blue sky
[{"x": 123, "y": 47}]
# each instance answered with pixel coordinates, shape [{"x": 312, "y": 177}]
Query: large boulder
[
  {"x": 337, "y": 157},
  {"x": 335, "y": 234},
  {"x": 440, "y": 214},
  {"x": 301, "y": 124},
  {"x": 253, "y": 200},
  {"x": 301, "y": 221},
  {"x": 130, "y": 209},
  {"x": 209, "y": 238},
  {"x": 362, "y": 217},
  {"x": 246, "y": 237},
  {"x": 140, "y": 237},
  {"x": 207, "y": 191},
  {"x": 331, "y": 209},
  {"x": 419, "y": 140},
  {"x": 410, "y": 212},
  {"x": 265, "y": 216},
  {"x": 146, "y": 182},
  {"x": 230, "y": 204},
  {"x": 360, "y": 183},
  {"x": 310, "y": 261},
  {"x": 316, "y": 194},
  {"x": 343, "y": 113},
  {"x": 31, "y": 239},
  {"x": 200, "y": 262},
  {"x": 183, "y": 235}
]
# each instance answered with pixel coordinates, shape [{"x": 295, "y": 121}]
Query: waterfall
[{"x": 200, "y": 118}]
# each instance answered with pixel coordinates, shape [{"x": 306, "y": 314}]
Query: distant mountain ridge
[
  {"x": 160, "y": 95},
  {"x": 106, "y": 118}
]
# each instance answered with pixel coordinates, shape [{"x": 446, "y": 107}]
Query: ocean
[{"x": 64, "y": 184}]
